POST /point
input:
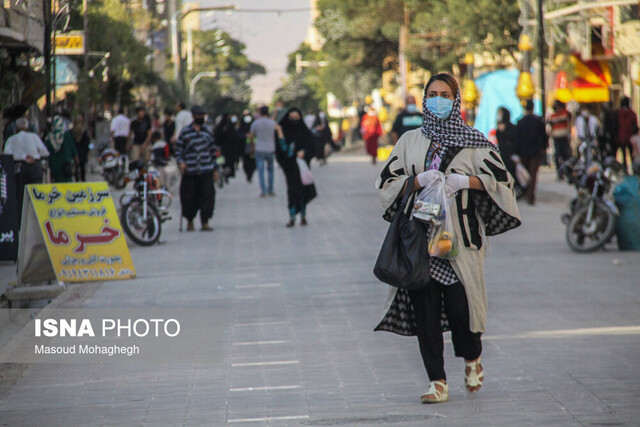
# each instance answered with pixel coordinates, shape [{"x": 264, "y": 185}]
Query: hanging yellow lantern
[
  {"x": 525, "y": 88},
  {"x": 469, "y": 93},
  {"x": 524, "y": 44}
]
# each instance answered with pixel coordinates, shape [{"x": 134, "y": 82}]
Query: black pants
[
  {"x": 427, "y": 305},
  {"x": 81, "y": 172},
  {"x": 562, "y": 151},
  {"x": 197, "y": 192},
  {"x": 120, "y": 144}
]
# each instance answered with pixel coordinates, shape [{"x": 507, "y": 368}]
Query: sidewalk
[{"x": 299, "y": 306}]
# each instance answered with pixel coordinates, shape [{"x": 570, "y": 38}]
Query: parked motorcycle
[
  {"x": 114, "y": 166},
  {"x": 592, "y": 213},
  {"x": 145, "y": 209}
]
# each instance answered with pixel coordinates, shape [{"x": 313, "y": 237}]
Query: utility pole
[
  {"x": 543, "y": 97},
  {"x": 402, "y": 47},
  {"x": 85, "y": 64},
  {"x": 46, "y": 11}
]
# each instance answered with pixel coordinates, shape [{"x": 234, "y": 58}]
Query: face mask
[
  {"x": 585, "y": 113},
  {"x": 198, "y": 120},
  {"x": 246, "y": 119},
  {"x": 440, "y": 106},
  {"x": 234, "y": 119},
  {"x": 322, "y": 116},
  {"x": 412, "y": 108}
]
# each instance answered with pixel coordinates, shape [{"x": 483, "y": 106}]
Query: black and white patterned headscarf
[{"x": 453, "y": 131}]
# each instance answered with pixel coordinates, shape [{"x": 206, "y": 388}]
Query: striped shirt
[{"x": 196, "y": 149}]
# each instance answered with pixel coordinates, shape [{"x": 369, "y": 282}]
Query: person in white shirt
[
  {"x": 183, "y": 118},
  {"x": 27, "y": 150},
  {"x": 584, "y": 132},
  {"x": 120, "y": 129}
]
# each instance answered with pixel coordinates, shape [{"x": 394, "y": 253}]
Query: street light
[{"x": 176, "y": 45}]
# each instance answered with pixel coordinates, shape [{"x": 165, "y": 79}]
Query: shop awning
[{"x": 591, "y": 84}]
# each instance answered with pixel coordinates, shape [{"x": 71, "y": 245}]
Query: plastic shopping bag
[
  {"x": 441, "y": 234},
  {"x": 305, "y": 172},
  {"x": 522, "y": 174}
]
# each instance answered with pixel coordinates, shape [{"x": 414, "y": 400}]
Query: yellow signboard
[
  {"x": 81, "y": 230},
  {"x": 71, "y": 43}
]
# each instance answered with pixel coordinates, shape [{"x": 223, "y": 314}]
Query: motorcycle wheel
[
  {"x": 144, "y": 233},
  {"x": 583, "y": 237}
]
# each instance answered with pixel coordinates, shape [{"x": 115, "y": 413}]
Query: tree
[{"x": 216, "y": 50}]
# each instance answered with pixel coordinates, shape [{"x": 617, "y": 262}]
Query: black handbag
[
  {"x": 68, "y": 169},
  {"x": 403, "y": 261}
]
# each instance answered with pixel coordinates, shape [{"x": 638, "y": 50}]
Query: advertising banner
[
  {"x": 8, "y": 211},
  {"x": 81, "y": 231}
]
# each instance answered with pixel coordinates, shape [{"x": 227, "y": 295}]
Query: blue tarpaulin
[{"x": 498, "y": 89}]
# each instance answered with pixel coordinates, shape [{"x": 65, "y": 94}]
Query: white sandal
[
  {"x": 434, "y": 395},
  {"x": 473, "y": 380}
]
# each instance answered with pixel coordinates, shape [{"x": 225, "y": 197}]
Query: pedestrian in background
[
  {"x": 627, "y": 127},
  {"x": 407, "y": 119},
  {"x": 27, "y": 150},
  {"x": 183, "y": 118},
  {"x": 531, "y": 146},
  {"x": 246, "y": 146},
  {"x": 323, "y": 136},
  {"x": 224, "y": 134},
  {"x": 371, "y": 131},
  {"x": 294, "y": 141},
  {"x": 454, "y": 297},
  {"x": 169, "y": 129},
  {"x": 609, "y": 131},
  {"x": 506, "y": 136},
  {"x": 63, "y": 155},
  {"x": 81, "y": 140},
  {"x": 120, "y": 131},
  {"x": 141, "y": 136},
  {"x": 262, "y": 134},
  {"x": 196, "y": 156},
  {"x": 560, "y": 121}
]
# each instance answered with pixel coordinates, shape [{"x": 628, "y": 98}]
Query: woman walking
[
  {"x": 455, "y": 296},
  {"x": 63, "y": 155},
  {"x": 371, "y": 131},
  {"x": 246, "y": 149},
  {"x": 81, "y": 140},
  {"x": 294, "y": 143}
]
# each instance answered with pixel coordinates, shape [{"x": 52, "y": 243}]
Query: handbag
[
  {"x": 403, "y": 261},
  {"x": 305, "y": 173}
]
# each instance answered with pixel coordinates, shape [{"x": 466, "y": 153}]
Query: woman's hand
[{"x": 455, "y": 182}]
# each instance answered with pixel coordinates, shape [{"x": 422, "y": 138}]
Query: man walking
[
  {"x": 120, "y": 129},
  {"x": 531, "y": 143},
  {"x": 263, "y": 132},
  {"x": 196, "y": 155},
  {"x": 141, "y": 136},
  {"x": 27, "y": 149},
  {"x": 183, "y": 118},
  {"x": 560, "y": 122},
  {"x": 408, "y": 119}
]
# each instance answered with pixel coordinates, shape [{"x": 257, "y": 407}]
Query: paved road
[{"x": 298, "y": 307}]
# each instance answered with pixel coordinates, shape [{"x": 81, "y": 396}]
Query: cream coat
[{"x": 476, "y": 215}]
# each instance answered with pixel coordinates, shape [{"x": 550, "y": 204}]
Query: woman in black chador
[{"x": 295, "y": 141}]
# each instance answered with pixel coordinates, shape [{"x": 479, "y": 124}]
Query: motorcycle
[
  {"x": 592, "y": 213},
  {"x": 144, "y": 209},
  {"x": 114, "y": 166}
]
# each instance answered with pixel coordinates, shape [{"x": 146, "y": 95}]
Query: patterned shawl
[{"x": 453, "y": 131}]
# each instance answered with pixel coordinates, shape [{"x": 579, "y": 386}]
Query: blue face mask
[
  {"x": 412, "y": 108},
  {"x": 440, "y": 106}
]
